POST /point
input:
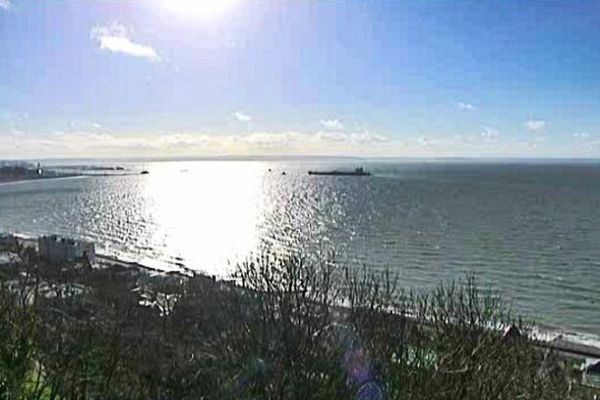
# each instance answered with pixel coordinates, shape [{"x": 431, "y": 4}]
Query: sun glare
[{"x": 205, "y": 9}]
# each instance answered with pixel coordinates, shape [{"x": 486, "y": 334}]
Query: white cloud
[
  {"x": 95, "y": 143},
  {"x": 368, "y": 137},
  {"x": 269, "y": 140},
  {"x": 115, "y": 38},
  {"x": 426, "y": 142},
  {"x": 490, "y": 133},
  {"x": 535, "y": 125},
  {"x": 100, "y": 144},
  {"x": 5, "y": 4},
  {"x": 466, "y": 106},
  {"x": 242, "y": 117},
  {"x": 16, "y": 133},
  {"x": 539, "y": 139},
  {"x": 333, "y": 136},
  {"x": 354, "y": 138},
  {"x": 178, "y": 140},
  {"x": 332, "y": 124},
  {"x": 581, "y": 135}
]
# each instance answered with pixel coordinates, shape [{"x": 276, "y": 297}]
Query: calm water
[{"x": 530, "y": 230}]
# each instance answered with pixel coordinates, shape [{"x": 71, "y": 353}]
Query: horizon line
[{"x": 305, "y": 157}]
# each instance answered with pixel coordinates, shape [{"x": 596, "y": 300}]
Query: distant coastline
[
  {"x": 15, "y": 172},
  {"x": 18, "y": 172},
  {"x": 4, "y": 179}
]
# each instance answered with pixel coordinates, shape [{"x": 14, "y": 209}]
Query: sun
[{"x": 204, "y": 9}]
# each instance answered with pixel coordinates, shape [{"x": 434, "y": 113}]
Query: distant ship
[{"x": 357, "y": 172}]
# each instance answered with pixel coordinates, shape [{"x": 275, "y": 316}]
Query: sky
[{"x": 389, "y": 78}]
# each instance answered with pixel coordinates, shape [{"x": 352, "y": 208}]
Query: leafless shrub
[{"x": 285, "y": 328}]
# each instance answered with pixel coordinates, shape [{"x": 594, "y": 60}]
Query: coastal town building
[
  {"x": 8, "y": 246},
  {"x": 58, "y": 249},
  {"x": 8, "y": 242}
]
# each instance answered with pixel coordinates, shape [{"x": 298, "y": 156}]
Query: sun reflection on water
[
  {"x": 203, "y": 213},
  {"x": 426, "y": 222}
]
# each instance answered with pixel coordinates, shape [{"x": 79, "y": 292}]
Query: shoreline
[
  {"x": 63, "y": 176},
  {"x": 572, "y": 345},
  {"x": 564, "y": 344},
  {"x": 38, "y": 178}
]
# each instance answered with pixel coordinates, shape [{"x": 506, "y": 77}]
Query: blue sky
[{"x": 369, "y": 78}]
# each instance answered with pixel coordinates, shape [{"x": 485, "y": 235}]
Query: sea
[{"x": 528, "y": 229}]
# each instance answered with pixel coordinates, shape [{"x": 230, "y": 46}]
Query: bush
[{"x": 284, "y": 328}]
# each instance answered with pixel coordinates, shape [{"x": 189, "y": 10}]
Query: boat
[
  {"x": 357, "y": 172},
  {"x": 144, "y": 172}
]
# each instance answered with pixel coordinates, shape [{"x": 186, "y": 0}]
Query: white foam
[{"x": 550, "y": 334}]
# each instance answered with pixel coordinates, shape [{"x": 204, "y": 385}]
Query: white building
[{"x": 58, "y": 249}]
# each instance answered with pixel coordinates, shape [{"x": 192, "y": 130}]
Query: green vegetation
[{"x": 279, "y": 332}]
